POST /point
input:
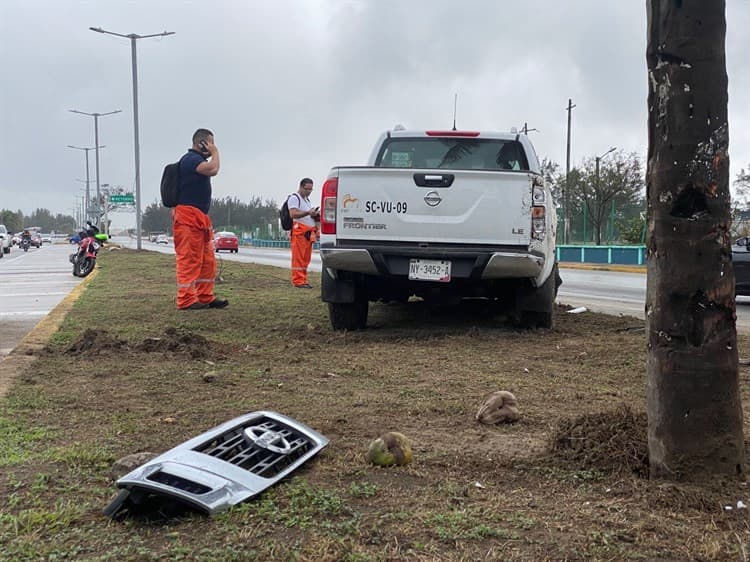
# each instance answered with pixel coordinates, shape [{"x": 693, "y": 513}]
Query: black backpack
[
  {"x": 170, "y": 184},
  {"x": 286, "y": 219}
]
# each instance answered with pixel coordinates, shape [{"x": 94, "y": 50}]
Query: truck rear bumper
[
  {"x": 476, "y": 264},
  {"x": 348, "y": 259},
  {"x": 503, "y": 265}
]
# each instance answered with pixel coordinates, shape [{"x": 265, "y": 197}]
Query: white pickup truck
[{"x": 441, "y": 215}]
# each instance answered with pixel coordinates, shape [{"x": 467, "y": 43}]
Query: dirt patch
[
  {"x": 613, "y": 441},
  {"x": 176, "y": 340},
  {"x": 95, "y": 342}
]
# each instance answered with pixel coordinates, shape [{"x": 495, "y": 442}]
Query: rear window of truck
[{"x": 453, "y": 153}]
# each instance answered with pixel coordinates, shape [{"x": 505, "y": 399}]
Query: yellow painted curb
[
  {"x": 604, "y": 267},
  {"x": 23, "y": 354}
]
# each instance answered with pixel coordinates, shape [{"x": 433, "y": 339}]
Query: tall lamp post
[
  {"x": 88, "y": 193},
  {"x": 596, "y": 179},
  {"x": 133, "y": 38},
  {"x": 96, "y": 142}
]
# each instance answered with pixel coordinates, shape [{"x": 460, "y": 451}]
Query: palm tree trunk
[{"x": 694, "y": 408}]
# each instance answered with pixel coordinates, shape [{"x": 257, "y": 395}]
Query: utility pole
[
  {"x": 134, "y": 63},
  {"x": 566, "y": 191}
]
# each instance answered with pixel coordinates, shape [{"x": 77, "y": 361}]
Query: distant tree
[
  {"x": 156, "y": 218},
  {"x": 620, "y": 187},
  {"x": 632, "y": 230},
  {"x": 12, "y": 221},
  {"x": 43, "y": 219},
  {"x": 551, "y": 173},
  {"x": 694, "y": 405},
  {"x": 740, "y": 204},
  {"x": 618, "y": 184},
  {"x": 230, "y": 213}
]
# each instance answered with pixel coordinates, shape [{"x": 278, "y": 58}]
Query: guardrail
[
  {"x": 255, "y": 243},
  {"x": 620, "y": 255}
]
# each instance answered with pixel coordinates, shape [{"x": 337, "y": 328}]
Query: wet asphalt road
[{"x": 31, "y": 284}]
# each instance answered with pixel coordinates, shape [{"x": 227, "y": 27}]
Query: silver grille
[{"x": 223, "y": 466}]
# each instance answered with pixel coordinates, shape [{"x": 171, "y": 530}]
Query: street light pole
[
  {"x": 133, "y": 38},
  {"x": 96, "y": 143},
  {"x": 88, "y": 193},
  {"x": 596, "y": 176},
  {"x": 566, "y": 192}
]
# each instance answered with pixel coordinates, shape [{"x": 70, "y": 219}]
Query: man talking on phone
[
  {"x": 303, "y": 233},
  {"x": 192, "y": 228}
]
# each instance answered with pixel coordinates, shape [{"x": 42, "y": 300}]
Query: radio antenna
[{"x": 455, "y": 100}]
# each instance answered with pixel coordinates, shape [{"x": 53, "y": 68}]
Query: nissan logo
[
  {"x": 269, "y": 440},
  {"x": 432, "y": 199}
]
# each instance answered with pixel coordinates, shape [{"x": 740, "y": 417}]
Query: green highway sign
[{"x": 127, "y": 198}]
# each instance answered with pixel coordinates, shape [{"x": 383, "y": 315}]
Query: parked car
[
  {"x": 5, "y": 241},
  {"x": 741, "y": 261},
  {"x": 162, "y": 239},
  {"x": 226, "y": 241}
]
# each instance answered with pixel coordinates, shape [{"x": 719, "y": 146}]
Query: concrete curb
[
  {"x": 604, "y": 267},
  {"x": 24, "y": 354}
]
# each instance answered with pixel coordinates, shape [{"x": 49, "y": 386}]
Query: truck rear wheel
[
  {"x": 534, "y": 308},
  {"x": 348, "y": 315}
]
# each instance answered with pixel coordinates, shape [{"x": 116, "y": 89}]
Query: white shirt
[{"x": 297, "y": 201}]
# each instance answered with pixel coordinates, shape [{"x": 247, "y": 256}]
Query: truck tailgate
[{"x": 447, "y": 206}]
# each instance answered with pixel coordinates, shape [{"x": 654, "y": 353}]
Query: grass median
[{"x": 127, "y": 373}]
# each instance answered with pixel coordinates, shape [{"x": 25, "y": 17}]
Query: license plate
[{"x": 430, "y": 270}]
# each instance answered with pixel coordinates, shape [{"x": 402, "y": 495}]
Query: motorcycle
[
  {"x": 25, "y": 243},
  {"x": 84, "y": 259}
]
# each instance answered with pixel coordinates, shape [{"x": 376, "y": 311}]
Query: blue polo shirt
[{"x": 195, "y": 188}]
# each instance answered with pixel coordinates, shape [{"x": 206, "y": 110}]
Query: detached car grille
[
  {"x": 265, "y": 448},
  {"x": 223, "y": 466}
]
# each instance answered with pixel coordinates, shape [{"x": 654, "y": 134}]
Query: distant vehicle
[
  {"x": 5, "y": 242},
  {"x": 162, "y": 239},
  {"x": 226, "y": 241},
  {"x": 741, "y": 262},
  {"x": 36, "y": 239},
  {"x": 47, "y": 238}
]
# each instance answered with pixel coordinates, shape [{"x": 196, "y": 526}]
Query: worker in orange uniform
[
  {"x": 192, "y": 228},
  {"x": 304, "y": 231}
]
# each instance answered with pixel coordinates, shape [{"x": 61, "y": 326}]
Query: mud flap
[{"x": 335, "y": 289}]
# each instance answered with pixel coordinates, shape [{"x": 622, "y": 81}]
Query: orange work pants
[
  {"x": 301, "y": 243},
  {"x": 196, "y": 263}
]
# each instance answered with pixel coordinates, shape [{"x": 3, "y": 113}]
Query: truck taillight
[
  {"x": 538, "y": 212},
  {"x": 328, "y": 206}
]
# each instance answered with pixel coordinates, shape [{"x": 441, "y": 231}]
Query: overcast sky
[{"x": 293, "y": 87}]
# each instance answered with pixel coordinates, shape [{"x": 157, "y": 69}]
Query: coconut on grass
[{"x": 390, "y": 449}]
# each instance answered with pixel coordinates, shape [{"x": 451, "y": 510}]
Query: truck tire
[
  {"x": 348, "y": 315},
  {"x": 534, "y": 308}
]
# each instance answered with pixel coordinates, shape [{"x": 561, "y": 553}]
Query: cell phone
[{"x": 204, "y": 146}]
